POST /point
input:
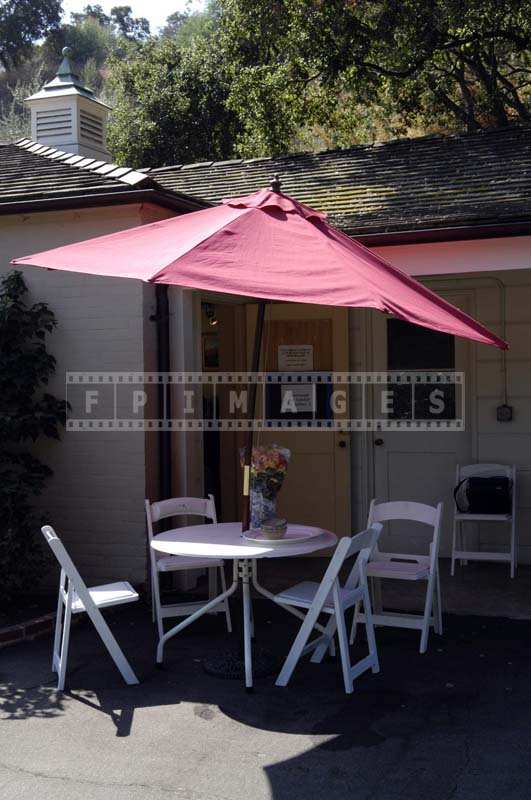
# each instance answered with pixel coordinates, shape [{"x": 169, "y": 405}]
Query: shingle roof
[
  {"x": 30, "y": 172},
  {"x": 412, "y": 184}
]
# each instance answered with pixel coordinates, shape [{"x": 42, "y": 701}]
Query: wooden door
[{"x": 317, "y": 488}]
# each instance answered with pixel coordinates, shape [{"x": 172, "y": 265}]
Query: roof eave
[
  {"x": 481, "y": 230},
  {"x": 171, "y": 200}
]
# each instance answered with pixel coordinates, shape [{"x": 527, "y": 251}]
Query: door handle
[
  {"x": 342, "y": 443},
  {"x": 378, "y": 442}
]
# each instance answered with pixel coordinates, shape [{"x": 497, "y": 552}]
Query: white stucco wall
[
  {"x": 492, "y": 261},
  {"x": 447, "y": 258},
  {"x": 95, "y": 498}
]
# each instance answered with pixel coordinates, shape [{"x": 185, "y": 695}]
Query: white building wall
[
  {"x": 494, "y": 287},
  {"x": 95, "y": 498},
  {"x": 507, "y": 442}
]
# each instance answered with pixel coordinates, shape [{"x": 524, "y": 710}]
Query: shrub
[{"x": 27, "y": 413}]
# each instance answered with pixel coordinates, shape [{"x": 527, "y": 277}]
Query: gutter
[
  {"x": 171, "y": 200},
  {"x": 425, "y": 235},
  {"x": 162, "y": 320}
]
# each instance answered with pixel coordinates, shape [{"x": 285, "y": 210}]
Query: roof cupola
[{"x": 65, "y": 114}]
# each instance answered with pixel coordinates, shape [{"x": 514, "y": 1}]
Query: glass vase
[{"x": 262, "y": 508}]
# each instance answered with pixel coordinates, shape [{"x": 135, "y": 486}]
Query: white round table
[{"x": 224, "y": 540}]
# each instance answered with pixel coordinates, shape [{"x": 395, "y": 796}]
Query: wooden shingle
[{"x": 411, "y": 184}]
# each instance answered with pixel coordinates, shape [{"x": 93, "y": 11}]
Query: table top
[{"x": 224, "y": 540}]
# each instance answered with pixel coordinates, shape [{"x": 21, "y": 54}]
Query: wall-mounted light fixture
[{"x": 210, "y": 313}]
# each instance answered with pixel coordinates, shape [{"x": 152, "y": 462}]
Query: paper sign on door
[{"x": 295, "y": 357}]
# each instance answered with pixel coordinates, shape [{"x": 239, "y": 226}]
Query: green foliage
[
  {"x": 363, "y": 68},
  {"x": 94, "y": 37},
  {"x": 170, "y": 104},
  {"x": 120, "y": 22},
  {"x": 307, "y": 74},
  {"x": 14, "y": 115},
  {"x": 255, "y": 77},
  {"x": 27, "y": 413},
  {"x": 184, "y": 26},
  {"x": 21, "y": 23},
  {"x": 91, "y": 34},
  {"x": 91, "y": 44},
  {"x": 133, "y": 28},
  {"x": 90, "y": 11}
]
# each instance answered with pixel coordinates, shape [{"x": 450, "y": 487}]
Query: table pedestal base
[
  {"x": 231, "y": 664},
  {"x": 240, "y": 662},
  {"x": 246, "y": 660}
]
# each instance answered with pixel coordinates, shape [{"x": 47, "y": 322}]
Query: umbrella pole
[{"x": 255, "y": 366}]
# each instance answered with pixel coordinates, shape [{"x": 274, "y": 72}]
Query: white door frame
[{"x": 369, "y": 363}]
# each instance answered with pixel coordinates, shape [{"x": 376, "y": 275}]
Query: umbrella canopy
[{"x": 266, "y": 246}]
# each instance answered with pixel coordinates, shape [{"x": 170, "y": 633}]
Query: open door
[{"x": 317, "y": 487}]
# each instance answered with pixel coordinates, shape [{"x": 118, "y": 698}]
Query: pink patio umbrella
[{"x": 270, "y": 247}]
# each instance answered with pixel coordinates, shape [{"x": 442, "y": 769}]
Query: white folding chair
[
  {"x": 461, "y": 552},
  {"x": 76, "y": 598},
  {"x": 176, "y": 507},
  {"x": 329, "y": 597},
  {"x": 407, "y": 567}
]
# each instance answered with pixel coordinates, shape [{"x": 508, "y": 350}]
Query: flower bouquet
[{"x": 269, "y": 465}]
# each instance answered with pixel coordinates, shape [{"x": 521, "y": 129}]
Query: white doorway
[{"x": 419, "y": 464}]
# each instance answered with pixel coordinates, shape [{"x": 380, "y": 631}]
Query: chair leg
[
  {"x": 298, "y": 646},
  {"x": 462, "y": 546},
  {"x": 513, "y": 548},
  {"x": 377, "y": 605},
  {"x": 113, "y": 648},
  {"x": 157, "y": 613},
  {"x": 329, "y": 632},
  {"x": 63, "y": 658},
  {"x": 454, "y": 547},
  {"x": 344, "y": 649},
  {"x": 354, "y": 627},
  {"x": 438, "y": 604},
  {"x": 428, "y": 606},
  {"x": 251, "y": 611},
  {"x": 369, "y": 630},
  {"x": 57, "y": 636},
  {"x": 226, "y": 602}
]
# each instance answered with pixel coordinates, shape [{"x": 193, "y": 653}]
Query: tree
[
  {"x": 27, "y": 413},
  {"x": 21, "y": 23},
  {"x": 120, "y": 21},
  {"x": 299, "y": 63},
  {"x": 174, "y": 23},
  {"x": 133, "y": 28},
  {"x": 93, "y": 37},
  {"x": 184, "y": 26},
  {"x": 14, "y": 114},
  {"x": 170, "y": 105},
  {"x": 90, "y": 42},
  {"x": 95, "y": 12}
]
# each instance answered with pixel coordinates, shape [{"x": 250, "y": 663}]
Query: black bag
[{"x": 477, "y": 495}]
